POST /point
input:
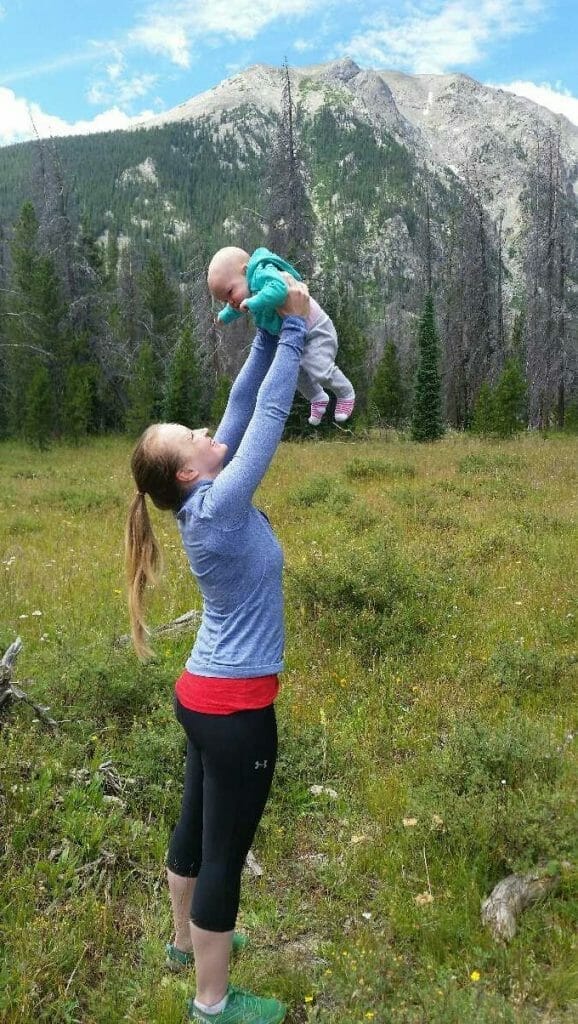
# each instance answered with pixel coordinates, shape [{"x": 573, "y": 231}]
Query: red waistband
[{"x": 215, "y": 696}]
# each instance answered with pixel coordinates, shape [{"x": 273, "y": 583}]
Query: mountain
[
  {"x": 447, "y": 123},
  {"x": 450, "y": 121},
  {"x": 415, "y": 182}
]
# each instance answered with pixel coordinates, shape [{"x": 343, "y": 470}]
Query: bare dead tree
[
  {"x": 289, "y": 211},
  {"x": 11, "y": 691},
  {"x": 548, "y": 246},
  {"x": 52, "y": 204},
  {"x": 471, "y": 309},
  {"x": 500, "y": 335}
]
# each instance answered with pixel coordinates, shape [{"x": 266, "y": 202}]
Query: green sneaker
[
  {"x": 242, "y": 1008},
  {"x": 177, "y": 960}
]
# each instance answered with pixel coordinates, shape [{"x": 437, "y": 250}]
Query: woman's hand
[{"x": 297, "y": 301}]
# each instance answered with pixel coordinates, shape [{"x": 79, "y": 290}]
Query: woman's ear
[{"x": 186, "y": 476}]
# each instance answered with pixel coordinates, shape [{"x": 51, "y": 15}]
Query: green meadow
[{"x": 429, "y": 691}]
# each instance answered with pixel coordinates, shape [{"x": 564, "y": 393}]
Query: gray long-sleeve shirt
[{"x": 232, "y": 550}]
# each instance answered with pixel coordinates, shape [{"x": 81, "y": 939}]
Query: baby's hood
[{"x": 263, "y": 256}]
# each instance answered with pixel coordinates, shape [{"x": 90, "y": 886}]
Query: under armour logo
[{"x": 260, "y": 764}]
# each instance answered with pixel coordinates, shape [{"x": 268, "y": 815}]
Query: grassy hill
[{"x": 429, "y": 684}]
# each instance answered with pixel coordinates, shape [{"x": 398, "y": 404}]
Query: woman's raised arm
[
  {"x": 232, "y": 491},
  {"x": 243, "y": 395}
]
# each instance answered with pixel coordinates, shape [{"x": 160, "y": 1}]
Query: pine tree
[
  {"x": 25, "y": 247},
  {"x": 89, "y": 249},
  {"x": 112, "y": 257},
  {"x": 348, "y": 316},
  {"x": 38, "y": 420},
  {"x": 518, "y": 347},
  {"x": 571, "y": 418},
  {"x": 182, "y": 403},
  {"x": 484, "y": 418},
  {"x": 36, "y": 333},
  {"x": 80, "y": 391},
  {"x": 386, "y": 393},
  {"x": 144, "y": 391},
  {"x": 426, "y": 424},
  {"x": 510, "y": 399},
  {"x": 159, "y": 299},
  {"x": 220, "y": 399}
]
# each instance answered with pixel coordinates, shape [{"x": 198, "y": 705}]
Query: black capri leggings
[{"x": 229, "y": 769}]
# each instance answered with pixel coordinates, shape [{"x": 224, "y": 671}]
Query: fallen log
[
  {"x": 10, "y": 691},
  {"x": 178, "y": 625},
  {"x": 512, "y": 895}
]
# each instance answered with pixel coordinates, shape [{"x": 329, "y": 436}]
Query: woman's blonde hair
[{"x": 154, "y": 470}]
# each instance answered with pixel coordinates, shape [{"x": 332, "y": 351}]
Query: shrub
[
  {"x": 484, "y": 418},
  {"x": 373, "y": 602},
  {"x": 376, "y": 469},
  {"x": 524, "y": 670},
  {"x": 478, "y": 756},
  {"x": 319, "y": 489},
  {"x": 510, "y": 400},
  {"x": 571, "y": 418},
  {"x": 473, "y": 464}
]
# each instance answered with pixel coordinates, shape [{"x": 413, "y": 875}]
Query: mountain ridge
[{"x": 450, "y": 120}]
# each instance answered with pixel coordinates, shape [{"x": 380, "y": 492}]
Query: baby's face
[{"x": 230, "y": 286}]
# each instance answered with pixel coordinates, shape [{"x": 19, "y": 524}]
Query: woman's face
[{"x": 200, "y": 455}]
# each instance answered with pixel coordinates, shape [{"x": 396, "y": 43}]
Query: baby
[{"x": 256, "y": 283}]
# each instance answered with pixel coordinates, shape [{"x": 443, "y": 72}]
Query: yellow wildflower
[{"x": 475, "y": 976}]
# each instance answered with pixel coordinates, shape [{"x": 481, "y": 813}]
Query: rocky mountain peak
[
  {"x": 341, "y": 70},
  {"x": 452, "y": 122}
]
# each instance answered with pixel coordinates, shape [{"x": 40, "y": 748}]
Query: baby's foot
[
  {"x": 317, "y": 412},
  {"x": 343, "y": 409}
]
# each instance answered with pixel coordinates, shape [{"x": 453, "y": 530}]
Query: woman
[{"x": 224, "y": 699}]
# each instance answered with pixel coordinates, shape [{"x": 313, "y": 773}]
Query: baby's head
[{"x": 227, "y": 275}]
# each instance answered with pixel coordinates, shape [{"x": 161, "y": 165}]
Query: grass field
[{"x": 430, "y": 683}]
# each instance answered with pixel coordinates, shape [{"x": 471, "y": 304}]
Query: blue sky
[{"x": 86, "y": 65}]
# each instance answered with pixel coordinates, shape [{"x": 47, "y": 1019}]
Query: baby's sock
[
  {"x": 318, "y": 407},
  {"x": 343, "y": 409}
]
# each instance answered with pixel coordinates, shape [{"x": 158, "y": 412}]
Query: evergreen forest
[{"x": 105, "y": 240}]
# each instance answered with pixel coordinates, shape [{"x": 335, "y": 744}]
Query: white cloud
[
  {"x": 121, "y": 93},
  {"x": 65, "y": 60},
  {"x": 116, "y": 66},
  {"x": 174, "y": 31},
  {"x": 302, "y": 45},
  {"x": 238, "y": 65},
  {"x": 115, "y": 70},
  {"x": 554, "y": 97},
  {"x": 432, "y": 36},
  {"x": 18, "y": 118},
  {"x": 165, "y": 36},
  {"x": 250, "y": 16}
]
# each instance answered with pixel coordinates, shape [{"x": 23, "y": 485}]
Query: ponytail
[
  {"x": 143, "y": 566},
  {"x": 155, "y": 473}
]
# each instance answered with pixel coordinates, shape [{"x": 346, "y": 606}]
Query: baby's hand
[{"x": 243, "y": 304}]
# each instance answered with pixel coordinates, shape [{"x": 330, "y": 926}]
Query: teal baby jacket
[{"x": 268, "y": 290}]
